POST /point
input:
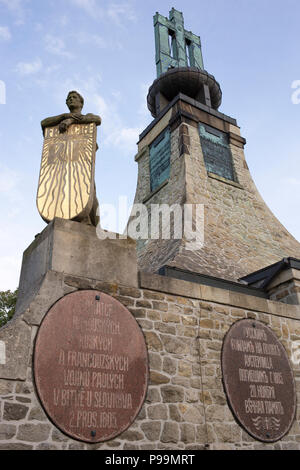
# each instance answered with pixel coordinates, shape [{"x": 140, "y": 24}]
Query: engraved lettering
[
  {"x": 108, "y": 381},
  {"x": 242, "y": 345},
  {"x": 254, "y": 406},
  {"x": 255, "y": 333},
  {"x": 271, "y": 349},
  {"x": 95, "y": 324},
  {"x": 262, "y": 362},
  {"x": 276, "y": 378},
  {"x": 274, "y": 408},
  {"x": 61, "y": 358},
  {"x": 112, "y": 400},
  {"x": 76, "y": 378},
  {"x": 86, "y": 419},
  {"x": 98, "y": 361},
  {"x": 107, "y": 420},
  {"x": 265, "y": 391},
  {"x": 100, "y": 343},
  {"x": 250, "y": 375}
]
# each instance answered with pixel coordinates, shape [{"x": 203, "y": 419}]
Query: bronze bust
[{"x": 75, "y": 104}]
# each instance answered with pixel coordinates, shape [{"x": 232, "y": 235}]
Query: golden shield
[{"x": 66, "y": 183}]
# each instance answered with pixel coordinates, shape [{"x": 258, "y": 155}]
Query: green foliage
[{"x": 8, "y": 301}]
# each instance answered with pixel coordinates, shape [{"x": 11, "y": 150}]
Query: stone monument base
[{"x": 184, "y": 325}]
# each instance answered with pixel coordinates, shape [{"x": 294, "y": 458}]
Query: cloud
[
  {"x": 115, "y": 132},
  {"x": 9, "y": 180},
  {"x": 115, "y": 12},
  {"x": 90, "y": 6},
  {"x": 56, "y": 46},
  {"x": 124, "y": 138},
  {"x": 16, "y": 7},
  {"x": 5, "y": 34},
  {"x": 118, "y": 12},
  {"x": 292, "y": 181},
  {"x": 94, "y": 39},
  {"x": 29, "y": 68}
]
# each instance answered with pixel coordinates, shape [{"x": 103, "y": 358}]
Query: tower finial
[{"x": 175, "y": 47}]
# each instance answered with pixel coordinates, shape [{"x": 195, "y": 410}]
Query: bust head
[{"x": 74, "y": 101}]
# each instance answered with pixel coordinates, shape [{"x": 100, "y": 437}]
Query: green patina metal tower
[
  {"x": 175, "y": 46},
  {"x": 179, "y": 66}
]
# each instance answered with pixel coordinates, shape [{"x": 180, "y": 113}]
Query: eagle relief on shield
[{"x": 66, "y": 184}]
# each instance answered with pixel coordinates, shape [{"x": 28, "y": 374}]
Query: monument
[
  {"x": 66, "y": 184},
  {"x": 155, "y": 344}
]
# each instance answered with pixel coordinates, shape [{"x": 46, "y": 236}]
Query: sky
[{"x": 105, "y": 50}]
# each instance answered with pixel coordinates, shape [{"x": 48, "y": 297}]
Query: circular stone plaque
[
  {"x": 258, "y": 380},
  {"x": 90, "y": 366}
]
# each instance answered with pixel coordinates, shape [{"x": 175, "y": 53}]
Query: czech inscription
[
  {"x": 90, "y": 366},
  {"x": 160, "y": 151},
  {"x": 258, "y": 380}
]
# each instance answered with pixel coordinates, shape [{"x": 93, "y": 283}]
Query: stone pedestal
[
  {"x": 66, "y": 248},
  {"x": 184, "y": 324}
]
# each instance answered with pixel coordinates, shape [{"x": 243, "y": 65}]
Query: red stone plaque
[
  {"x": 90, "y": 366},
  {"x": 258, "y": 380}
]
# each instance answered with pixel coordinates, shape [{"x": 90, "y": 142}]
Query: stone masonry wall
[
  {"x": 288, "y": 292},
  {"x": 184, "y": 325}
]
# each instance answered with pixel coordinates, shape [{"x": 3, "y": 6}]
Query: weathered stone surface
[
  {"x": 138, "y": 312},
  {"x": 157, "y": 412},
  {"x": 174, "y": 345},
  {"x": 155, "y": 361},
  {"x": 23, "y": 399},
  {"x": 76, "y": 446},
  {"x": 33, "y": 432},
  {"x": 46, "y": 446},
  {"x": 153, "y": 341},
  {"x": 169, "y": 365},
  {"x": 14, "y": 411},
  {"x": 192, "y": 413},
  {"x": 130, "y": 447},
  {"x": 172, "y": 394},
  {"x": 175, "y": 414},
  {"x": 170, "y": 432},
  {"x": 17, "y": 338},
  {"x": 143, "y": 304},
  {"x": 37, "y": 414},
  {"x": 185, "y": 369},
  {"x": 153, "y": 395},
  {"x": 152, "y": 430},
  {"x": 15, "y": 446},
  {"x": 7, "y": 431},
  {"x": 6, "y": 387},
  {"x": 24, "y": 388},
  {"x": 156, "y": 378},
  {"x": 131, "y": 435},
  {"x": 58, "y": 436},
  {"x": 187, "y": 433},
  {"x": 73, "y": 248},
  {"x": 130, "y": 292}
]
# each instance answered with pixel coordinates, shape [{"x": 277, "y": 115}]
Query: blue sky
[{"x": 105, "y": 49}]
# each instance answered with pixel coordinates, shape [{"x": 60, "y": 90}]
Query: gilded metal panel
[{"x": 66, "y": 179}]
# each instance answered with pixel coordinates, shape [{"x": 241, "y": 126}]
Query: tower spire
[
  {"x": 175, "y": 46},
  {"x": 179, "y": 66}
]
